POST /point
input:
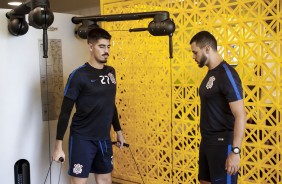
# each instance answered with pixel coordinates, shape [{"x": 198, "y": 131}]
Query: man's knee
[
  {"x": 103, "y": 178},
  {"x": 76, "y": 180}
]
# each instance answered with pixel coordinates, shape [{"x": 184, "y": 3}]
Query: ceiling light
[{"x": 14, "y": 3}]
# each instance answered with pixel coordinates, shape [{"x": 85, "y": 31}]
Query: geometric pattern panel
[{"x": 158, "y": 99}]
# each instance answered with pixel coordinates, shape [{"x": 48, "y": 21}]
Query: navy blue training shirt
[
  {"x": 93, "y": 91},
  {"x": 220, "y": 86}
]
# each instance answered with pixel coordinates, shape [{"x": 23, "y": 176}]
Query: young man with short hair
[
  {"x": 92, "y": 89},
  {"x": 223, "y": 116}
]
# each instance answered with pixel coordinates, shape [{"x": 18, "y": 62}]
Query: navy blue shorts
[
  {"x": 212, "y": 160},
  {"x": 88, "y": 156}
]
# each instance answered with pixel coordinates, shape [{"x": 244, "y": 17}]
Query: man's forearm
[
  {"x": 239, "y": 130},
  {"x": 59, "y": 144}
]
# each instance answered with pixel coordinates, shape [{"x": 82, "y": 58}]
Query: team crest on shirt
[
  {"x": 77, "y": 169},
  {"x": 112, "y": 78},
  {"x": 210, "y": 82}
]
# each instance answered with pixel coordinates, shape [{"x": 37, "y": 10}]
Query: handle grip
[
  {"x": 124, "y": 144},
  {"x": 61, "y": 159}
]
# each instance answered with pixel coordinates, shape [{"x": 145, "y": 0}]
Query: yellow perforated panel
[{"x": 158, "y": 100}]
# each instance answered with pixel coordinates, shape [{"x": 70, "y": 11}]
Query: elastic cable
[
  {"x": 60, "y": 173},
  {"x": 48, "y": 172},
  {"x": 136, "y": 165}
]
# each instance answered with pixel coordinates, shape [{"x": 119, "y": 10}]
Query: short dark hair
[
  {"x": 204, "y": 38},
  {"x": 97, "y": 33}
]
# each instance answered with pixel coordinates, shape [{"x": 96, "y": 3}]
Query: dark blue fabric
[
  {"x": 220, "y": 86},
  {"x": 212, "y": 160},
  {"x": 93, "y": 91},
  {"x": 89, "y": 156}
]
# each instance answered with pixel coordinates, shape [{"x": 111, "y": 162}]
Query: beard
[
  {"x": 102, "y": 59},
  {"x": 202, "y": 61}
]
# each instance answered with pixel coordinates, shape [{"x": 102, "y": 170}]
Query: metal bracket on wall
[
  {"x": 161, "y": 25},
  {"x": 40, "y": 16}
]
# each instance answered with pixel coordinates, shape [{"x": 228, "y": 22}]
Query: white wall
[
  {"x": 87, "y": 11},
  {"x": 23, "y": 134}
]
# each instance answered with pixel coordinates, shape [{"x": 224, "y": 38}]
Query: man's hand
[
  {"x": 120, "y": 139},
  {"x": 58, "y": 151},
  {"x": 232, "y": 163}
]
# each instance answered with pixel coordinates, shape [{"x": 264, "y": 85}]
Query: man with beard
[
  {"x": 92, "y": 88},
  {"x": 223, "y": 116}
]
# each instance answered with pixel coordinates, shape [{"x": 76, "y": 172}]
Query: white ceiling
[{"x": 60, "y": 6}]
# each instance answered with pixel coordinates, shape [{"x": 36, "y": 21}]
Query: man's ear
[
  {"x": 90, "y": 46},
  {"x": 208, "y": 48}
]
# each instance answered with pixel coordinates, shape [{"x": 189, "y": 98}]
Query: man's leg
[
  {"x": 217, "y": 159},
  {"x": 204, "y": 182},
  {"x": 81, "y": 157},
  {"x": 103, "y": 178},
  {"x": 102, "y": 165},
  {"x": 204, "y": 173},
  {"x": 76, "y": 180}
]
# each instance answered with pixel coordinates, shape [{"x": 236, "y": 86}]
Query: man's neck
[
  {"x": 95, "y": 64},
  {"x": 214, "y": 61}
]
